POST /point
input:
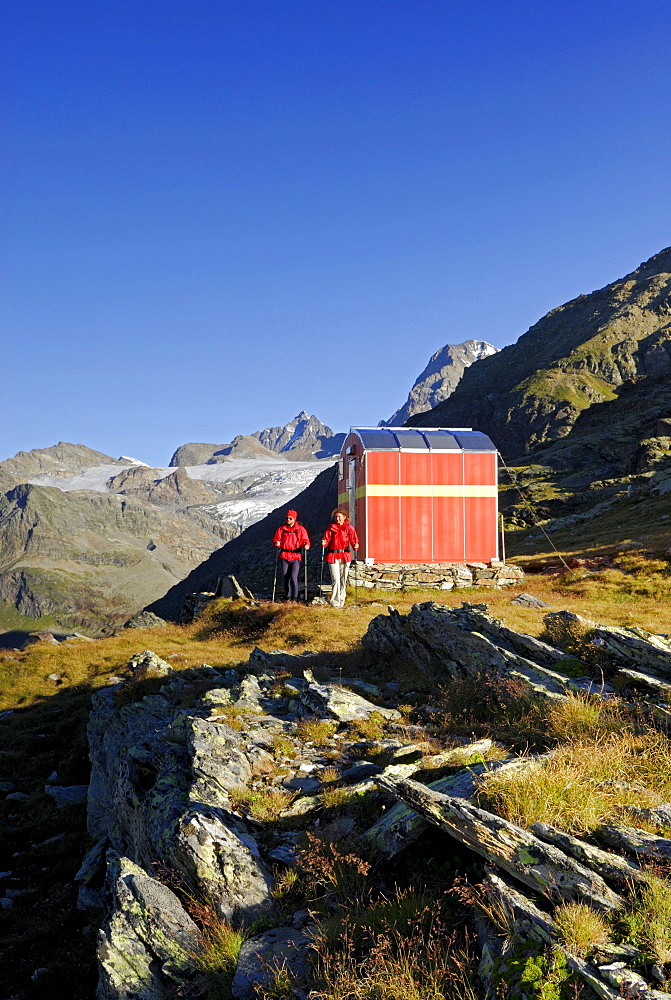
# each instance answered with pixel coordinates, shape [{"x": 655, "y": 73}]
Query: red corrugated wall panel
[
  {"x": 360, "y": 519},
  {"x": 384, "y": 534},
  {"x": 448, "y": 512},
  {"x": 481, "y": 527},
  {"x": 416, "y": 511}
]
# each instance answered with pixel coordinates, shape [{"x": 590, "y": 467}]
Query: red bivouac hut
[{"x": 421, "y": 495}]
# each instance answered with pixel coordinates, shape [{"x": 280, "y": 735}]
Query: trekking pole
[
  {"x": 321, "y": 576},
  {"x": 356, "y": 579},
  {"x": 305, "y": 575},
  {"x": 277, "y": 560}
]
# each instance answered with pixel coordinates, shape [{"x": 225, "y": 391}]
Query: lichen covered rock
[{"x": 148, "y": 938}]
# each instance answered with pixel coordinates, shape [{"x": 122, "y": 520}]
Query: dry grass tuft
[
  {"x": 421, "y": 960},
  {"x": 231, "y": 715},
  {"x": 218, "y": 958},
  {"x": 583, "y": 715},
  {"x": 372, "y": 728},
  {"x": 581, "y": 928},
  {"x": 650, "y": 921},
  {"x": 338, "y": 798},
  {"x": 329, "y": 775},
  {"x": 265, "y": 805},
  {"x": 317, "y": 731},
  {"x": 334, "y": 877},
  {"x": 570, "y": 790},
  {"x": 283, "y": 747}
]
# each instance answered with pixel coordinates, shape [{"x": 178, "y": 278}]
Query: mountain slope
[
  {"x": 440, "y": 378},
  {"x": 62, "y": 459},
  {"x": 578, "y": 354},
  {"x": 91, "y": 558}
]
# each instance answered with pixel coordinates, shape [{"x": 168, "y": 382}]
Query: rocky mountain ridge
[
  {"x": 62, "y": 459},
  {"x": 581, "y": 353},
  {"x": 302, "y": 439}
]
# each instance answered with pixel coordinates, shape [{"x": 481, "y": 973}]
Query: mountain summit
[{"x": 440, "y": 378}]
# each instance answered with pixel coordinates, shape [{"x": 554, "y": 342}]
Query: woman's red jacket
[
  {"x": 291, "y": 541},
  {"x": 338, "y": 538}
]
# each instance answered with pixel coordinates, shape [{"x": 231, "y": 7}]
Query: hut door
[{"x": 351, "y": 488}]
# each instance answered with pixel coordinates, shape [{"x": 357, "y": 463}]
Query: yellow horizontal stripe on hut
[
  {"x": 343, "y": 498},
  {"x": 418, "y": 490}
]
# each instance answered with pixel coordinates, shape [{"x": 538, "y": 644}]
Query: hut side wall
[{"x": 480, "y": 488}]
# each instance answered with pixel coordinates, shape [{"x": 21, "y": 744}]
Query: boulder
[
  {"x": 529, "y": 601},
  {"x": 70, "y": 795},
  {"x": 147, "y": 941},
  {"x": 147, "y": 664},
  {"x": 145, "y": 619},
  {"x": 280, "y": 948}
]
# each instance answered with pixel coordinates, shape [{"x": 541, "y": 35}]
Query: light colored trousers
[{"x": 339, "y": 571}]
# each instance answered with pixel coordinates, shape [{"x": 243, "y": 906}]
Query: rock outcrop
[
  {"x": 467, "y": 641},
  {"x": 192, "y": 770},
  {"x": 168, "y": 775}
]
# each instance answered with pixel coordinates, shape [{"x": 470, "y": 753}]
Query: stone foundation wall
[{"x": 434, "y": 576}]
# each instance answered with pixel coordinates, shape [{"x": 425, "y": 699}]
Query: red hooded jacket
[
  {"x": 337, "y": 540},
  {"x": 291, "y": 541}
]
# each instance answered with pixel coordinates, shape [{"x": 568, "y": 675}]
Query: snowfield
[{"x": 264, "y": 484}]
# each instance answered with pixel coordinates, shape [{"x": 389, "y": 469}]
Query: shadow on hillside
[
  {"x": 15, "y": 639},
  {"x": 43, "y": 847},
  {"x": 251, "y": 556}
]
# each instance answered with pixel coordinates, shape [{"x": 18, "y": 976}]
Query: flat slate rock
[
  {"x": 529, "y": 601},
  {"x": 359, "y": 771},
  {"x": 70, "y": 795}
]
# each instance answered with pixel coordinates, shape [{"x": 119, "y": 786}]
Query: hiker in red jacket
[
  {"x": 291, "y": 538},
  {"x": 338, "y": 538}
]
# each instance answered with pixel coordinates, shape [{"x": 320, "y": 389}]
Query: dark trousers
[{"x": 290, "y": 568}]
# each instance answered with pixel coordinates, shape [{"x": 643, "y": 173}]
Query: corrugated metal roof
[{"x": 418, "y": 439}]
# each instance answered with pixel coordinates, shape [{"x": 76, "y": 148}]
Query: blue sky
[{"x": 215, "y": 214}]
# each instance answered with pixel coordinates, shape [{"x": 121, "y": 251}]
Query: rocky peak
[
  {"x": 303, "y": 437},
  {"x": 440, "y": 378}
]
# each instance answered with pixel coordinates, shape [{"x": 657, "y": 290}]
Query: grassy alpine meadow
[{"x": 375, "y": 925}]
